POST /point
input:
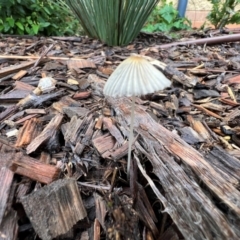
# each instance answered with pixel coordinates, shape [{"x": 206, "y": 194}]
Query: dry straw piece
[{"x": 135, "y": 76}]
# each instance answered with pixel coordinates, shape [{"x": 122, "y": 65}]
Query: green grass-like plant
[{"x": 115, "y": 22}]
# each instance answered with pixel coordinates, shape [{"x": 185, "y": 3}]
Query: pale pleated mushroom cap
[{"x": 135, "y": 76}]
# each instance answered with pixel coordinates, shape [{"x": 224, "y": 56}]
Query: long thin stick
[{"x": 130, "y": 137}]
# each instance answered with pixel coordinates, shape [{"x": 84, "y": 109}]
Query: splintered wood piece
[
  {"x": 113, "y": 130},
  {"x": 104, "y": 143},
  {"x": 119, "y": 152},
  {"x": 5, "y": 147},
  {"x": 101, "y": 210},
  {"x": 80, "y": 63},
  {"x": 78, "y": 148},
  {"x": 210, "y": 113},
  {"x": 6, "y": 178},
  {"x": 46, "y": 134},
  {"x": 99, "y": 123},
  {"x": 15, "y": 68},
  {"x": 35, "y": 111},
  {"x": 230, "y": 116},
  {"x": 14, "y": 96},
  {"x": 28, "y": 117},
  {"x": 29, "y": 167},
  {"x": 199, "y": 128},
  {"x": 54, "y": 209},
  {"x": 30, "y": 130},
  {"x": 81, "y": 95},
  {"x": 19, "y": 75},
  {"x": 65, "y": 102},
  {"x": 87, "y": 132},
  {"x": 72, "y": 130},
  {"x": 229, "y": 102},
  {"x": 78, "y": 111},
  {"x": 180, "y": 76},
  {"x": 45, "y": 158},
  {"x": 97, "y": 230},
  {"x": 7, "y": 112},
  {"x": 179, "y": 185},
  {"x": 213, "y": 106},
  {"x": 225, "y": 164},
  {"x": 23, "y": 86},
  {"x": 9, "y": 226},
  {"x": 234, "y": 79}
]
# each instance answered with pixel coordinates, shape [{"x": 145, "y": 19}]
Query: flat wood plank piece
[
  {"x": 193, "y": 212},
  {"x": 46, "y": 134},
  {"x": 29, "y": 167},
  {"x": 15, "y": 68},
  {"x": 54, "y": 209},
  {"x": 6, "y": 178}
]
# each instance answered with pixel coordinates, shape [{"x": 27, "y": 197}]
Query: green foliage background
[
  {"x": 31, "y": 17},
  {"x": 164, "y": 18},
  {"x": 223, "y": 12}
]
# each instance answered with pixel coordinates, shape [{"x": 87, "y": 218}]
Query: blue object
[{"x": 182, "y": 6}]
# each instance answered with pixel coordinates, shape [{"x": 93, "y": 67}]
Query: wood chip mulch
[{"x": 63, "y": 145}]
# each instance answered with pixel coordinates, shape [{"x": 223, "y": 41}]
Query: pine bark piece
[
  {"x": 46, "y": 134},
  {"x": 54, "y": 209},
  {"x": 6, "y": 178},
  {"x": 113, "y": 130},
  {"x": 29, "y": 167},
  {"x": 28, "y": 132},
  {"x": 81, "y": 95},
  {"x": 199, "y": 128},
  {"x": 225, "y": 163},
  {"x": 187, "y": 203},
  {"x": 104, "y": 143},
  {"x": 65, "y": 102},
  {"x": 73, "y": 128}
]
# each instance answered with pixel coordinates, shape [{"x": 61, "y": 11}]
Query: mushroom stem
[{"x": 130, "y": 137}]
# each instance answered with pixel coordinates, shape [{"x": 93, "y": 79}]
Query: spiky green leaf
[{"x": 115, "y": 22}]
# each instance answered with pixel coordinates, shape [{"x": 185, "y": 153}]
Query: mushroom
[{"x": 135, "y": 76}]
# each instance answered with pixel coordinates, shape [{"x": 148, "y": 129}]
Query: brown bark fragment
[
  {"x": 59, "y": 213},
  {"x": 181, "y": 192},
  {"x": 104, "y": 143},
  {"x": 6, "y": 178},
  {"x": 81, "y": 95},
  {"x": 29, "y": 167},
  {"x": 46, "y": 134},
  {"x": 28, "y": 132}
]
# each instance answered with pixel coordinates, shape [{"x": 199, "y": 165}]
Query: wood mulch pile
[{"x": 63, "y": 145}]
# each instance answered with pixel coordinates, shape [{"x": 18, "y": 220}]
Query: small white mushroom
[{"x": 135, "y": 76}]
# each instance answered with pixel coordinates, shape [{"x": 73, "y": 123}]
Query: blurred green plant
[
  {"x": 223, "y": 12},
  {"x": 115, "y": 22},
  {"x": 32, "y": 17},
  {"x": 164, "y": 18}
]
